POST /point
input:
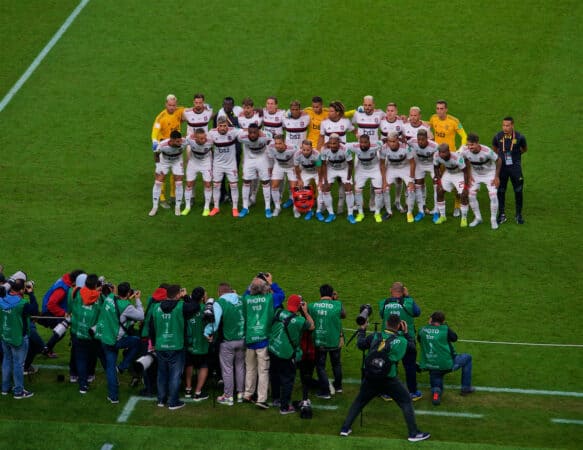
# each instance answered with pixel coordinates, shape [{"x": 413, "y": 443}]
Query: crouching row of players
[{"x": 351, "y": 165}]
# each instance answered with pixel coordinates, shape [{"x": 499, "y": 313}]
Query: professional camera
[
  {"x": 62, "y": 327},
  {"x": 9, "y": 283},
  {"x": 144, "y": 362},
  {"x": 208, "y": 313},
  {"x": 365, "y": 312},
  {"x": 263, "y": 276},
  {"x": 29, "y": 284}
]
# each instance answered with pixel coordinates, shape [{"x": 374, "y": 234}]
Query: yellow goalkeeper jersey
[
  {"x": 166, "y": 123},
  {"x": 446, "y": 129}
]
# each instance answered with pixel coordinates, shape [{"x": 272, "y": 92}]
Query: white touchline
[
  {"x": 129, "y": 408},
  {"x": 568, "y": 421},
  {"x": 325, "y": 407},
  {"x": 449, "y": 414},
  {"x": 26, "y": 75}
]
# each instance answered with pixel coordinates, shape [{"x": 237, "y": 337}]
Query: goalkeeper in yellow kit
[
  {"x": 445, "y": 127},
  {"x": 166, "y": 122}
]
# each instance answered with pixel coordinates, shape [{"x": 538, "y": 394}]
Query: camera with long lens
[
  {"x": 208, "y": 313},
  {"x": 262, "y": 275},
  {"x": 144, "y": 362},
  {"x": 62, "y": 327},
  {"x": 365, "y": 312}
]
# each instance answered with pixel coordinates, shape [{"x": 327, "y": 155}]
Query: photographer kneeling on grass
[
  {"x": 439, "y": 357},
  {"x": 114, "y": 330},
  {"x": 386, "y": 349}
]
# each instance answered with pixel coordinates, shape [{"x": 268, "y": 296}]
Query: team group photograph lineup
[
  {"x": 265, "y": 225},
  {"x": 308, "y": 150}
]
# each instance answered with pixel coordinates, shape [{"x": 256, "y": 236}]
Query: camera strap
[
  {"x": 285, "y": 323},
  {"x": 118, "y": 312}
]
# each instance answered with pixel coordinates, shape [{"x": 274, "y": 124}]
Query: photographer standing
[
  {"x": 197, "y": 348},
  {"x": 113, "y": 329},
  {"x": 14, "y": 320},
  {"x": 439, "y": 357},
  {"x": 327, "y": 314},
  {"x": 401, "y": 304},
  {"x": 259, "y": 305},
  {"x": 380, "y": 374},
  {"x": 285, "y": 351},
  {"x": 167, "y": 330}
]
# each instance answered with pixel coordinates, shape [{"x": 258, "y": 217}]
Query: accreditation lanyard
[{"x": 508, "y": 154}]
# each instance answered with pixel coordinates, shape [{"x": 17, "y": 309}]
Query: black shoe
[
  {"x": 468, "y": 391},
  {"x": 519, "y": 219},
  {"x": 501, "y": 218},
  {"x": 200, "y": 397}
]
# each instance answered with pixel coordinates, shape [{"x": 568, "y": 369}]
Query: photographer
[
  {"x": 228, "y": 328},
  {"x": 439, "y": 357},
  {"x": 114, "y": 329},
  {"x": 197, "y": 348},
  {"x": 84, "y": 308},
  {"x": 259, "y": 304},
  {"x": 386, "y": 349},
  {"x": 14, "y": 319},
  {"x": 327, "y": 314},
  {"x": 285, "y": 351},
  {"x": 401, "y": 304},
  {"x": 167, "y": 330}
]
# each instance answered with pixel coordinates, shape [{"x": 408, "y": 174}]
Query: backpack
[{"x": 377, "y": 364}]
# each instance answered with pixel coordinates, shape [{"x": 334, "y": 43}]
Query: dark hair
[
  {"x": 92, "y": 281},
  {"x": 438, "y": 316},
  {"x": 422, "y": 132},
  {"x": 123, "y": 289},
  {"x": 175, "y": 134},
  {"x": 295, "y": 103},
  {"x": 199, "y": 131},
  {"x": 326, "y": 290},
  {"x": 254, "y": 126},
  {"x": 338, "y": 107},
  {"x": 272, "y": 98},
  {"x": 393, "y": 321},
  {"x": 197, "y": 294},
  {"x": 224, "y": 288},
  {"x": 317, "y": 99},
  {"x": 229, "y": 99},
  {"x": 278, "y": 137},
  {"x": 509, "y": 118},
  {"x": 364, "y": 137},
  {"x": 391, "y": 104},
  {"x": 164, "y": 286},
  {"x": 173, "y": 290},
  {"x": 441, "y": 102},
  {"x": 442, "y": 147},
  {"x": 199, "y": 95},
  {"x": 17, "y": 285},
  {"x": 473, "y": 138},
  {"x": 75, "y": 273},
  {"x": 248, "y": 101}
]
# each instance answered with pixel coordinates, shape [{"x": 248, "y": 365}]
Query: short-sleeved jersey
[
  {"x": 337, "y": 160},
  {"x": 410, "y": 131},
  {"x": 236, "y": 111},
  {"x": 296, "y": 130},
  {"x": 484, "y": 162},
  {"x": 387, "y": 127},
  {"x": 196, "y": 120},
  {"x": 254, "y": 149},
  {"x": 244, "y": 121},
  {"x": 199, "y": 152},
  {"x": 455, "y": 164},
  {"x": 273, "y": 122},
  {"x": 399, "y": 158},
  {"x": 368, "y": 124},
  {"x": 340, "y": 127},
  {"x": 171, "y": 152},
  {"x": 368, "y": 159},
  {"x": 315, "y": 123},
  {"x": 166, "y": 123},
  {"x": 446, "y": 129},
  {"x": 284, "y": 159},
  {"x": 225, "y": 151},
  {"x": 308, "y": 164},
  {"x": 423, "y": 155}
]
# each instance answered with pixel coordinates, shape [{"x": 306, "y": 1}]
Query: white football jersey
[
  {"x": 423, "y": 155},
  {"x": 254, "y": 149},
  {"x": 296, "y": 130},
  {"x": 171, "y": 152},
  {"x": 225, "y": 150},
  {"x": 337, "y": 160},
  {"x": 340, "y": 127},
  {"x": 196, "y": 120},
  {"x": 307, "y": 164},
  {"x": 484, "y": 162},
  {"x": 387, "y": 127},
  {"x": 368, "y": 159},
  {"x": 397, "y": 159},
  {"x": 410, "y": 131},
  {"x": 284, "y": 159},
  {"x": 368, "y": 124},
  {"x": 273, "y": 122},
  {"x": 199, "y": 152},
  {"x": 244, "y": 122},
  {"x": 455, "y": 164}
]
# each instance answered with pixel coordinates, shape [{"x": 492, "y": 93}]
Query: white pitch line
[
  {"x": 449, "y": 414},
  {"x": 129, "y": 408},
  {"x": 568, "y": 421},
  {"x": 26, "y": 75},
  {"x": 325, "y": 407}
]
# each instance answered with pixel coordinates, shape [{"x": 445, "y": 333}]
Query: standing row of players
[{"x": 389, "y": 152}]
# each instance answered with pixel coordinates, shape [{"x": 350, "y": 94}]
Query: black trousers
[
  {"x": 283, "y": 374},
  {"x": 321, "y": 369},
  {"x": 514, "y": 174},
  {"x": 410, "y": 366},
  {"x": 390, "y": 386}
]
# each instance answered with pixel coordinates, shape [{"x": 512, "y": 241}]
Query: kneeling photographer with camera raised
[{"x": 386, "y": 349}]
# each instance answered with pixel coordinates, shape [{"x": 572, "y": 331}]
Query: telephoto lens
[{"x": 365, "y": 312}]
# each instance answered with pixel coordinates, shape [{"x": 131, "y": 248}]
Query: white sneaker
[
  {"x": 153, "y": 211},
  {"x": 494, "y": 223},
  {"x": 457, "y": 212},
  {"x": 475, "y": 222},
  {"x": 177, "y": 211},
  {"x": 276, "y": 212},
  {"x": 331, "y": 386},
  {"x": 297, "y": 214}
]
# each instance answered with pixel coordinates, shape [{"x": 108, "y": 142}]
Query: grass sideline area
[{"x": 76, "y": 175}]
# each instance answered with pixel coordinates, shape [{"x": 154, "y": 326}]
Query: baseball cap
[
  {"x": 80, "y": 280},
  {"x": 160, "y": 294},
  {"x": 293, "y": 302}
]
